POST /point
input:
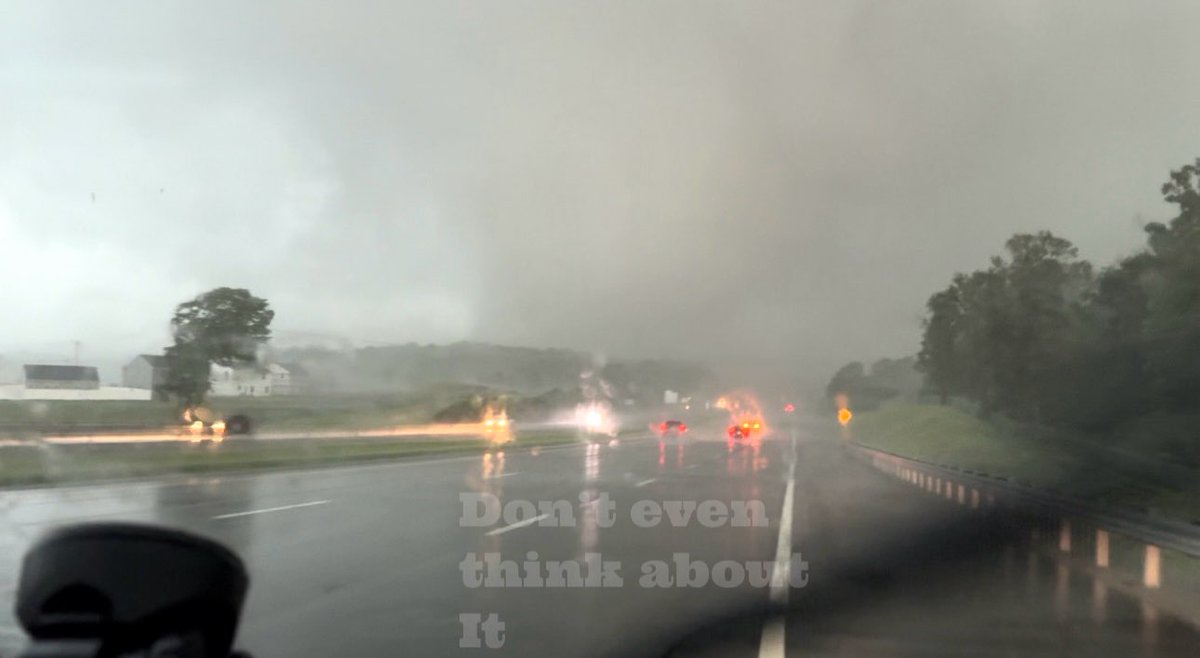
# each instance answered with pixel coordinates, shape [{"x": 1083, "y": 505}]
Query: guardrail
[{"x": 1068, "y": 517}]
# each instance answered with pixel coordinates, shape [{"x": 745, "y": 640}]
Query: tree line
[
  {"x": 867, "y": 388},
  {"x": 231, "y": 327},
  {"x": 1042, "y": 336}
]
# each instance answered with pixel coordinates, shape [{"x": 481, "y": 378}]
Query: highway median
[{"x": 43, "y": 464}]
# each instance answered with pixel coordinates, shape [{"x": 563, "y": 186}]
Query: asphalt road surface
[{"x": 368, "y": 560}]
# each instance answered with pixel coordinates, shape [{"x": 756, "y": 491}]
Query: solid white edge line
[
  {"x": 518, "y": 524},
  {"x": 270, "y": 509},
  {"x": 772, "y": 644},
  {"x": 645, "y": 482},
  {"x": 783, "y": 549}
]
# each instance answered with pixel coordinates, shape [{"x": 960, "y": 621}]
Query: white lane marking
[
  {"x": 518, "y": 524},
  {"x": 783, "y": 549},
  {"x": 773, "y": 637},
  {"x": 502, "y": 475},
  {"x": 271, "y": 509},
  {"x": 645, "y": 482},
  {"x": 691, "y": 467}
]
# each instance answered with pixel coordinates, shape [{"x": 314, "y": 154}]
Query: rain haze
[
  {"x": 568, "y": 328},
  {"x": 686, "y": 179}
]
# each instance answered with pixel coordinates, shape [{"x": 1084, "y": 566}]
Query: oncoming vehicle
[{"x": 494, "y": 421}]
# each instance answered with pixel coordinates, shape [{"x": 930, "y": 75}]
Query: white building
[
  {"x": 66, "y": 382},
  {"x": 21, "y": 392},
  {"x": 254, "y": 381}
]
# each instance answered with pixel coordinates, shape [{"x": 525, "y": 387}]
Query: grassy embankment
[{"x": 1069, "y": 464}]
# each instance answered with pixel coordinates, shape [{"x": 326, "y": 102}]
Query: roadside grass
[
  {"x": 35, "y": 413},
  {"x": 30, "y": 465},
  {"x": 945, "y": 435},
  {"x": 1037, "y": 457}
]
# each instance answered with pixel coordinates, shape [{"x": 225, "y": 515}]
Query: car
[
  {"x": 238, "y": 425},
  {"x": 495, "y": 421},
  {"x": 745, "y": 428},
  {"x": 205, "y": 425},
  {"x": 676, "y": 427}
]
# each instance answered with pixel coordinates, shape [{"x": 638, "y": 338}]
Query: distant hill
[{"x": 521, "y": 369}]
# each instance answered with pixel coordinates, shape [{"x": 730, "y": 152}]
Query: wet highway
[{"x": 377, "y": 559}]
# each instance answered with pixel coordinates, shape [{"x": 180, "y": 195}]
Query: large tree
[
  {"x": 224, "y": 326},
  {"x": 998, "y": 335},
  {"x": 940, "y": 357},
  {"x": 1048, "y": 282},
  {"x": 1037, "y": 337}
]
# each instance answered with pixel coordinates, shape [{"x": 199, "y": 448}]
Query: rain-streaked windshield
[{"x": 537, "y": 328}]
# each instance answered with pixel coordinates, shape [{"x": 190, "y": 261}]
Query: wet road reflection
[
  {"x": 591, "y": 462},
  {"x": 378, "y": 567}
]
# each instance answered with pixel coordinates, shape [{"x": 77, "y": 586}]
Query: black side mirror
[{"x": 109, "y": 589}]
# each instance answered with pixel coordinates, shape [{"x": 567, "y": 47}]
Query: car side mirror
[{"x": 106, "y": 589}]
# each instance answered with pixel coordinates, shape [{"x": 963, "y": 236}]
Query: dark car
[
  {"x": 744, "y": 429},
  {"x": 671, "y": 427},
  {"x": 204, "y": 425},
  {"x": 238, "y": 425}
]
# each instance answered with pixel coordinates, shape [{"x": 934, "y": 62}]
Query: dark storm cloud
[{"x": 680, "y": 178}]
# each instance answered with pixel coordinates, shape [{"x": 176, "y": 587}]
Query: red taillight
[
  {"x": 663, "y": 427},
  {"x": 682, "y": 427}
]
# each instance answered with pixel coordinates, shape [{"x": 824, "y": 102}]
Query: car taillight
[
  {"x": 663, "y": 427},
  {"x": 682, "y": 427}
]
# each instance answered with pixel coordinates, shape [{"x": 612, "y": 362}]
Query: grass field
[
  {"x": 946, "y": 435},
  {"x": 44, "y": 464}
]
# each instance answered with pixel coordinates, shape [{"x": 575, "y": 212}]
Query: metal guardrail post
[
  {"x": 991, "y": 491},
  {"x": 1152, "y": 567},
  {"x": 1102, "y": 548},
  {"x": 1049, "y": 510}
]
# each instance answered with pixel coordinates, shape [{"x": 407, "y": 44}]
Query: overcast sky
[{"x": 786, "y": 180}]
